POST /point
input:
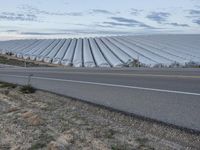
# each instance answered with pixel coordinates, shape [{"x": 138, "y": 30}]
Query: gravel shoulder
[{"x": 47, "y": 121}]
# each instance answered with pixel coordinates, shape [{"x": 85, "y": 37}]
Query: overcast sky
[{"x": 80, "y": 18}]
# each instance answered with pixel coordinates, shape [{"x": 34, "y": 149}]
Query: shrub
[{"x": 27, "y": 89}]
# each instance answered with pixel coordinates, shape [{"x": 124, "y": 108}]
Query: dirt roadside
[
  {"x": 44, "y": 120},
  {"x": 10, "y": 60}
]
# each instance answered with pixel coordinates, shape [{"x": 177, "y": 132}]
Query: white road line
[{"x": 106, "y": 84}]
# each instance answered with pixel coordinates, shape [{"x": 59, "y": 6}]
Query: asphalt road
[{"x": 167, "y": 95}]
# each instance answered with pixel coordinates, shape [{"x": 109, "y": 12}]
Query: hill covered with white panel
[{"x": 116, "y": 51}]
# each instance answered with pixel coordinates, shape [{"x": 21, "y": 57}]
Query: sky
[{"x": 22, "y": 19}]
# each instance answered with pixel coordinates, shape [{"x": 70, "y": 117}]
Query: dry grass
[
  {"x": 46, "y": 121},
  {"x": 7, "y": 85},
  {"x": 9, "y": 60}
]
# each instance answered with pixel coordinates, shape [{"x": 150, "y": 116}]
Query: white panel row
[{"x": 118, "y": 51}]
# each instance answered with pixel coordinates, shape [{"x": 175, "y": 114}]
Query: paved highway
[{"x": 167, "y": 95}]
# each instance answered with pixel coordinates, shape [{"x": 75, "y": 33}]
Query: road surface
[{"x": 171, "y": 96}]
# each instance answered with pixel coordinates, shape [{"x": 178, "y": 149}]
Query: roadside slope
[{"x": 43, "y": 121}]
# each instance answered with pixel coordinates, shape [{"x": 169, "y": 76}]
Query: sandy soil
[{"x": 47, "y": 121}]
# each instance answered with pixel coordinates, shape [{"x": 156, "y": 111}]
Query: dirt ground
[
  {"x": 9, "y": 60},
  {"x": 50, "y": 122}
]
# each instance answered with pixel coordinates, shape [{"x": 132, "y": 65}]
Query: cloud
[
  {"x": 11, "y": 31},
  {"x": 178, "y": 24},
  {"x": 120, "y": 21},
  {"x": 100, "y": 11},
  {"x": 41, "y": 33},
  {"x": 135, "y": 12},
  {"x": 119, "y": 24},
  {"x": 197, "y": 21},
  {"x": 124, "y": 20},
  {"x": 74, "y": 32},
  {"x": 195, "y": 15},
  {"x": 17, "y": 16},
  {"x": 194, "y": 12},
  {"x": 159, "y": 17},
  {"x": 73, "y": 14},
  {"x": 36, "y": 11},
  {"x": 96, "y": 24}
]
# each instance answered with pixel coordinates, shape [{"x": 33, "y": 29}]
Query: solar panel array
[{"x": 118, "y": 51}]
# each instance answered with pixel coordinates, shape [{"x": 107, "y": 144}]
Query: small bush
[
  {"x": 9, "y": 53},
  {"x": 27, "y": 89},
  {"x": 136, "y": 63}
]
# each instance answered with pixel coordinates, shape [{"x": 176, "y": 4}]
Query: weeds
[
  {"x": 43, "y": 141},
  {"x": 118, "y": 147},
  {"x": 192, "y": 64},
  {"x": 110, "y": 133},
  {"x": 27, "y": 89},
  {"x": 143, "y": 144},
  {"x": 38, "y": 145},
  {"x": 7, "y": 85},
  {"x": 142, "y": 140}
]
